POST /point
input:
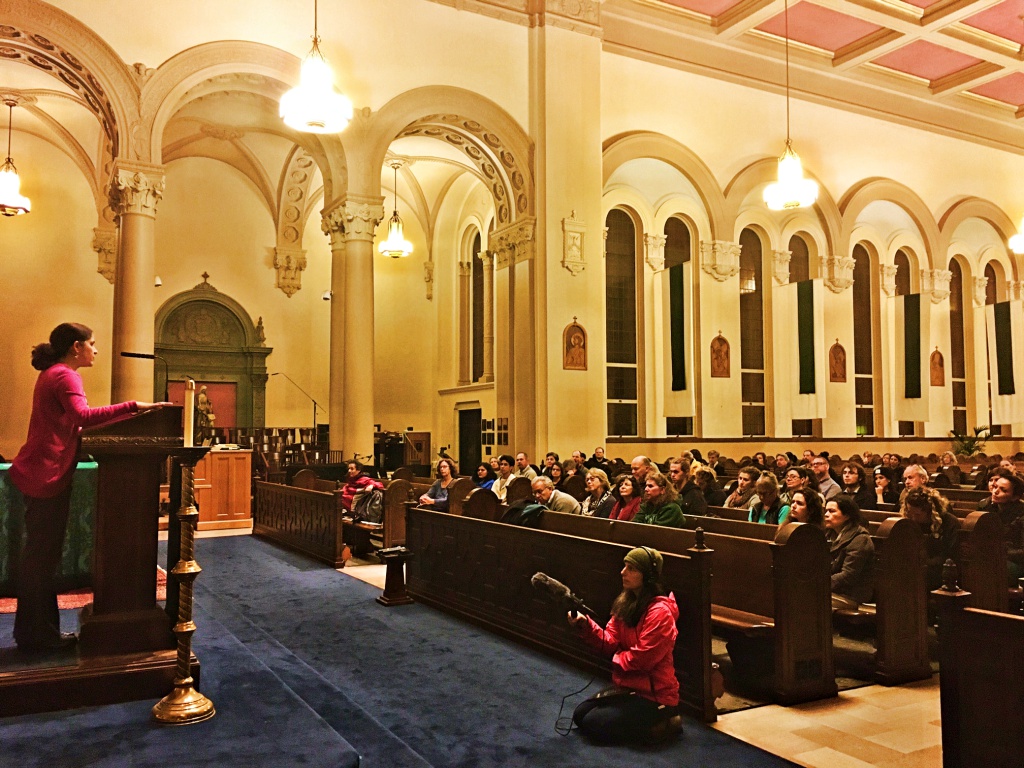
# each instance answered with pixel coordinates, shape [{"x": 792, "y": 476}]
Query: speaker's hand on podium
[{"x": 149, "y": 406}]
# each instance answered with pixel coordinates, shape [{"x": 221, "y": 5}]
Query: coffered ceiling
[{"x": 953, "y": 66}]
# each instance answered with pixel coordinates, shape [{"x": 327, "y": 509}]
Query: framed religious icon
[
  {"x": 574, "y": 347},
  {"x": 720, "y": 362},
  {"x": 837, "y": 363}
]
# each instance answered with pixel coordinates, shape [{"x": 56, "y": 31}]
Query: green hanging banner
[
  {"x": 677, "y": 326},
  {"x": 912, "y": 345},
  {"x": 805, "y": 335},
  {"x": 1004, "y": 347}
]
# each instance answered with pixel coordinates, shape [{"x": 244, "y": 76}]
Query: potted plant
[{"x": 969, "y": 445}]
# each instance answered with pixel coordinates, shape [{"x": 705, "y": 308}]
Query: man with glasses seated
[
  {"x": 827, "y": 487},
  {"x": 557, "y": 501}
]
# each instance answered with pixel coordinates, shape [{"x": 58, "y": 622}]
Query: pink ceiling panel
[
  {"x": 927, "y": 60},
  {"x": 707, "y": 7},
  {"x": 823, "y": 28},
  {"x": 1002, "y": 20},
  {"x": 1009, "y": 90}
]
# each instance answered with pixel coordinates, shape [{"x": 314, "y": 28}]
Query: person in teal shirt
[
  {"x": 769, "y": 507},
  {"x": 659, "y": 506}
]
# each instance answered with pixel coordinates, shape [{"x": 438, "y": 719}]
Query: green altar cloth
[{"x": 76, "y": 564}]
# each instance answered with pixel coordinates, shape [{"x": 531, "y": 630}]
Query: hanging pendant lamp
[
  {"x": 313, "y": 106},
  {"x": 396, "y": 246},
  {"x": 1016, "y": 242},
  {"x": 12, "y": 202},
  {"x": 792, "y": 190}
]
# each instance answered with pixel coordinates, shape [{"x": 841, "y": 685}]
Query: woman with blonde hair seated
[{"x": 599, "y": 500}]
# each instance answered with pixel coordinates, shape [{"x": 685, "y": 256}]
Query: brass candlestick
[{"x": 185, "y": 705}]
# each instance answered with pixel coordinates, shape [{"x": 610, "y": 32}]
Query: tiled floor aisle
[{"x": 871, "y": 726}]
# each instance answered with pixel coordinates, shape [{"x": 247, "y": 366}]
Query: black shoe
[{"x": 59, "y": 643}]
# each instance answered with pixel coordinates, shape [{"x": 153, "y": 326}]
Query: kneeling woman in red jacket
[{"x": 640, "y": 637}]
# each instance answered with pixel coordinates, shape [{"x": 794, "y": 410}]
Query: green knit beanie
[{"x": 646, "y": 560}]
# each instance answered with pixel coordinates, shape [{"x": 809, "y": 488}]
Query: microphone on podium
[{"x": 148, "y": 356}]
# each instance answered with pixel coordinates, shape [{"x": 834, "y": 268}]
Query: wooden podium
[{"x": 126, "y": 649}]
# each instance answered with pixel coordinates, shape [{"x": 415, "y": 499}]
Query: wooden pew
[
  {"x": 481, "y": 570},
  {"x": 982, "y": 561},
  {"x": 771, "y": 598},
  {"x": 981, "y": 685}
]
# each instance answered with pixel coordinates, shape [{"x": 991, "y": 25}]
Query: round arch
[
  {"x": 976, "y": 208},
  {"x": 686, "y": 208},
  {"x": 765, "y": 171},
  {"x": 622, "y": 148},
  {"x": 638, "y": 206},
  {"x": 876, "y": 189}
]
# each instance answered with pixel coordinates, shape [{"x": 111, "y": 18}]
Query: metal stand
[{"x": 185, "y": 705}]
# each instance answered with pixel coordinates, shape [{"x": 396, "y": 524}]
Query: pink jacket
[
  {"x": 43, "y": 466},
  {"x": 352, "y": 487},
  {"x": 642, "y": 655}
]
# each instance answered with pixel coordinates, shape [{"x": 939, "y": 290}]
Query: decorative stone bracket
[
  {"x": 980, "y": 286},
  {"x": 574, "y": 232},
  {"x": 654, "y": 251},
  {"x": 514, "y": 243},
  {"x": 104, "y": 242},
  {"x": 838, "y": 272},
  {"x": 887, "y": 273},
  {"x": 780, "y": 266},
  {"x": 289, "y": 263},
  {"x": 720, "y": 259},
  {"x": 1015, "y": 289},
  {"x": 936, "y": 282}
]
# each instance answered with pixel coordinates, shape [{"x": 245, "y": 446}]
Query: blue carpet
[{"x": 406, "y": 686}]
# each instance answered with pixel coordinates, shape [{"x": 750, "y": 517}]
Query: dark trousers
[
  {"x": 619, "y": 719},
  {"x": 46, "y": 520}
]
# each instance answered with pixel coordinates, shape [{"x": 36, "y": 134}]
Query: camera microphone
[{"x": 560, "y": 593}]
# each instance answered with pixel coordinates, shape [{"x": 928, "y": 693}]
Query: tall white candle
[{"x": 190, "y": 412}]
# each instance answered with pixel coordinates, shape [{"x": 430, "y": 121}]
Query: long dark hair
[
  {"x": 62, "y": 339},
  {"x": 629, "y": 607}
]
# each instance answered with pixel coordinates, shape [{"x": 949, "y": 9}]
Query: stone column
[
  {"x": 361, "y": 215},
  {"x": 465, "y": 313},
  {"x": 135, "y": 190},
  {"x": 488, "y": 259},
  {"x": 332, "y": 223}
]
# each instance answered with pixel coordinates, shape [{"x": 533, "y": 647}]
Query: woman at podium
[{"x": 42, "y": 471}]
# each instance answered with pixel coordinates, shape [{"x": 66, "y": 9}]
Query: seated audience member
[
  {"x": 782, "y": 465},
  {"x": 485, "y": 476},
  {"x": 555, "y": 474},
  {"x": 707, "y": 481},
  {"x": 795, "y": 479},
  {"x": 855, "y": 485},
  {"x": 744, "y": 494},
  {"x": 500, "y": 487},
  {"x": 659, "y": 506},
  {"x": 994, "y": 474},
  {"x": 437, "y": 495},
  {"x": 523, "y": 467},
  {"x": 598, "y": 460},
  {"x": 1006, "y": 490},
  {"x": 641, "y": 467},
  {"x": 569, "y": 468},
  {"x": 549, "y": 460},
  {"x": 807, "y": 507},
  {"x": 914, "y": 476},
  {"x": 950, "y": 467},
  {"x": 930, "y": 511},
  {"x": 357, "y": 481},
  {"x": 628, "y": 495},
  {"x": 691, "y": 499},
  {"x": 808, "y": 457},
  {"x": 894, "y": 464},
  {"x": 557, "y": 501},
  {"x": 639, "y": 638},
  {"x": 600, "y": 500},
  {"x": 884, "y": 492},
  {"x": 827, "y": 487},
  {"x": 760, "y": 461},
  {"x": 853, "y": 553},
  {"x": 768, "y": 508},
  {"x": 580, "y": 461},
  {"x": 714, "y": 464},
  {"x": 494, "y": 465},
  {"x": 1008, "y": 464}
]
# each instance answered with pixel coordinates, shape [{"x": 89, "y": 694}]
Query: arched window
[
  {"x": 902, "y": 262},
  {"x": 799, "y": 260},
  {"x": 621, "y": 324},
  {"x": 752, "y": 333},
  {"x": 863, "y": 341},
  {"x": 957, "y": 352},
  {"x": 677, "y": 253}
]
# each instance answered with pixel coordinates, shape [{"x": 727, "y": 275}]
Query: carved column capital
[
  {"x": 332, "y": 224},
  {"x": 1015, "y": 289},
  {"x": 289, "y": 263},
  {"x": 465, "y": 269},
  {"x": 720, "y": 259},
  {"x": 980, "y": 286},
  {"x": 104, "y": 242},
  {"x": 838, "y": 272},
  {"x": 654, "y": 251},
  {"x": 780, "y": 266},
  {"x": 362, "y": 215},
  {"x": 887, "y": 275},
  {"x": 936, "y": 282},
  {"x": 487, "y": 257},
  {"x": 514, "y": 243},
  {"x": 136, "y": 188}
]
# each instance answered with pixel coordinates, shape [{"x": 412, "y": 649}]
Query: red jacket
[
  {"x": 352, "y": 487},
  {"x": 627, "y": 512},
  {"x": 43, "y": 466},
  {"x": 642, "y": 655}
]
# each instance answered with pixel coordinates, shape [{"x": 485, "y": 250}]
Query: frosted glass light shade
[
  {"x": 313, "y": 106},
  {"x": 396, "y": 246},
  {"x": 792, "y": 190},
  {"x": 12, "y": 202}
]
